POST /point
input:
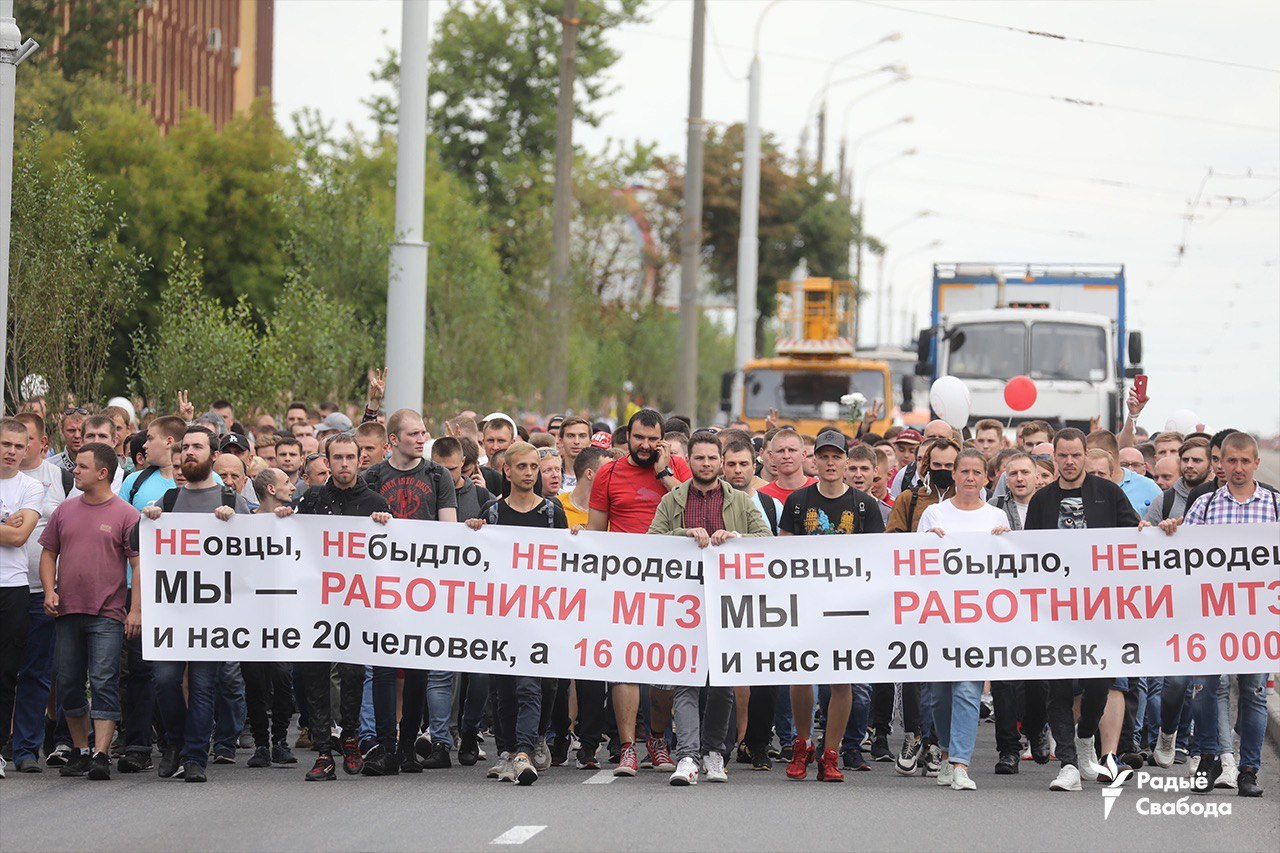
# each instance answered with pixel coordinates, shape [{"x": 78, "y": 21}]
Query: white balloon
[
  {"x": 950, "y": 399},
  {"x": 1183, "y": 421}
]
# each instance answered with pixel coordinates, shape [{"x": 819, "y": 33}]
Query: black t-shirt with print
[
  {"x": 1071, "y": 510},
  {"x": 808, "y": 512},
  {"x": 418, "y": 493}
]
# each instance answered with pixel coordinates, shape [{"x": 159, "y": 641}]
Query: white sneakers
[
  {"x": 1166, "y": 749},
  {"x": 960, "y": 780},
  {"x": 1, "y": 766},
  {"x": 946, "y": 773},
  {"x": 713, "y": 766},
  {"x": 686, "y": 772},
  {"x": 1068, "y": 779},
  {"x": 1087, "y": 758},
  {"x": 1228, "y": 779},
  {"x": 522, "y": 769}
]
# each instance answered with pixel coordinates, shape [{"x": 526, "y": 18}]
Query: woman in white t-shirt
[{"x": 956, "y": 703}]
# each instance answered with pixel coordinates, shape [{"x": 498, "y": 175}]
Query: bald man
[{"x": 1167, "y": 470}]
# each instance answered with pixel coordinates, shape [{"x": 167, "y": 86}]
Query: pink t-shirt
[{"x": 92, "y": 542}]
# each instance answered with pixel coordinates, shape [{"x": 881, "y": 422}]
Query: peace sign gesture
[
  {"x": 186, "y": 410},
  {"x": 377, "y": 388}
]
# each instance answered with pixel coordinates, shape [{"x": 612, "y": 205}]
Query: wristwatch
[{"x": 665, "y": 473}]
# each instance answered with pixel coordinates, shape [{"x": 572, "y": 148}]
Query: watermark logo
[{"x": 1183, "y": 806}]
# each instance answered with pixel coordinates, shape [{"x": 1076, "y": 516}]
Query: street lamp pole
[{"x": 691, "y": 228}]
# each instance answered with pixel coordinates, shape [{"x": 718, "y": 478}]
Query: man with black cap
[
  {"x": 827, "y": 507},
  {"x": 234, "y": 444}
]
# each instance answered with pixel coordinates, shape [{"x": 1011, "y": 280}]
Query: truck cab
[
  {"x": 1063, "y": 328},
  {"x": 815, "y": 365}
]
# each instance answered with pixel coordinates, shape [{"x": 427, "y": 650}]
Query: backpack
[
  {"x": 491, "y": 514},
  {"x": 142, "y": 477},
  {"x": 770, "y": 508},
  {"x": 170, "y": 499},
  {"x": 1167, "y": 508},
  {"x": 68, "y": 481}
]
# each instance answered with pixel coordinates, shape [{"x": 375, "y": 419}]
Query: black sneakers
[
  {"x": 1040, "y": 750},
  {"x": 170, "y": 764},
  {"x": 468, "y": 750},
  {"x": 439, "y": 758},
  {"x": 880, "y": 748},
  {"x": 281, "y": 754},
  {"x": 323, "y": 770},
  {"x": 193, "y": 772},
  {"x": 261, "y": 757},
  {"x": 380, "y": 762},
  {"x": 1247, "y": 783},
  {"x": 135, "y": 762},
  {"x": 100, "y": 767},
  {"x": 1008, "y": 764},
  {"x": 77, "y": 764},
  {"x": 1207, "y": 773}
]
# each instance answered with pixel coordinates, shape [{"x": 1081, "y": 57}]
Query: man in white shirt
[
  {"x": 21, "y": 498},
  {"x": 1020, "y": 483}
]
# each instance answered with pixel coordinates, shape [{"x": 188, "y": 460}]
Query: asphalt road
[{"x": 568, "y": 810}]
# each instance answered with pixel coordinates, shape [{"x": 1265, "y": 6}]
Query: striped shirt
[{"x": 1221, "y": 507}]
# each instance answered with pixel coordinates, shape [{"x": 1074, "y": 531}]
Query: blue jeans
[
  {"x": 440, "y": 705},
  {"x": 368, "y": 723},
  {"x": 187, "y": 722},
  {"x": 519, "y": 712},
  {"x": 783, "y": 723},
  {"x": 229, "y": 710},
  {"x": 955, "y": 717},
  {"x": 927, "y": 727},
  {"x": 859, "y": 716},
  {"x": 1149, "y": 711},
  {"x": 88, "y": 647},
  {"x": 35, "y": 677},
  {"x": 1251, "y": 724}
]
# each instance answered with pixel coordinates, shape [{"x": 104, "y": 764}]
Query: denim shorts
[{"x": 88, "y": 648}]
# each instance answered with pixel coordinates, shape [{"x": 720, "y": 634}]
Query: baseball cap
[
  {"x": 234, "y": 442},
  {"x": 831, "y": 438},
  {"x": 334, "y": 422},
  {"x": 603, "y": 440},
  {"x": 908, "y": 436}
]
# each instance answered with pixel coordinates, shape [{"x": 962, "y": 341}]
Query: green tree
[{"x": 69, "y": 277}]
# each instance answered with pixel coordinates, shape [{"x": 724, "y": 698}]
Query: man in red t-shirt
[
  {"x": 786, "y": 452},
  {"x": 624, "y": 497}
]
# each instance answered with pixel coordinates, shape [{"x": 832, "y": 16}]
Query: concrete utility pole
[
  {"x": 407, "y": 277},
  {"x": 557, "y": 398},
  {"x": 691, "y": 228},
  {"x": 13, "y": 50}
]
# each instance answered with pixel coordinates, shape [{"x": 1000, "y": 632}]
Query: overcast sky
[{"x": 1012, "y": 171}]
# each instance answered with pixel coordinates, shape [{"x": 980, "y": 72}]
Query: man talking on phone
[{"x": 624, "y": 498}]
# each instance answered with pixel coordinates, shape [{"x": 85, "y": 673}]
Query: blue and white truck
[{"x": 1063, "y": 325}]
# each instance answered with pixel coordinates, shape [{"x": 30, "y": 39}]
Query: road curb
[{"x": 1273, "y": 717}]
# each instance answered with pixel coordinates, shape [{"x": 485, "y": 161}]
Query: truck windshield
[
  {"x": 1068, "y": 351},
  {"x": 988, "y": 351},
  {"x": 800, "y": 393}
]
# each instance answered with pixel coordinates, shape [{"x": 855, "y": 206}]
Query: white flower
[{"x": 854, "y": 399}]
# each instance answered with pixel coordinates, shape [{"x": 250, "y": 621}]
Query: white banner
[
  {"x": 423, "y": 595},
  {"x": 1037, "y": 604},
  {"x": 793, "y": 610}
]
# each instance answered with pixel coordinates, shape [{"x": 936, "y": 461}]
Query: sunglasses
[
  {"x": 75, "y": 410},
  {"x": 1044, "y": 456},
  {"x": 312, "y": 457},
  {"x": 544, "y": 452}
]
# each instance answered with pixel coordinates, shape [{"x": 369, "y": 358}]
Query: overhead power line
[{"x": 1065, "y": 38}]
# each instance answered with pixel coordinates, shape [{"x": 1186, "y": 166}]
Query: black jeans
[
  {"x": 14, "y": 601},
  {"x": 268, "y": 684},
  {"x": 882, "y": 707},
  {"x": 1062, "y": 721},
  {"x": 760, "y": 708},
  {"x": 592, "y": 703},
  {"x": 413, "y": 704},
  {"x": 1027, "y": 701},
  {"x": 139, "y": 691},
  {"x": 351, "y": 688}
]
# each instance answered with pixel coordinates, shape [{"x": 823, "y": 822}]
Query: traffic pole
[
  {"x": 691, "y": 228},
  {"x": 748, "y": 240}
]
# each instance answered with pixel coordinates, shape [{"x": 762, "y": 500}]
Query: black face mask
[{"x": 942, "y": 480}]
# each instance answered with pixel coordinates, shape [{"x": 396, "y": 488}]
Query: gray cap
[{"x": 335, "y": 422}]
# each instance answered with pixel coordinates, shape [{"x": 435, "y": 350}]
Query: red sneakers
[
  {"x": 352, "y": 763},
  {"x": 828, "y": 767},
  {"x": 801, "y": 755},
  {"x": 322, "y": 771},
  {"x": 660, "y": 755},
  {"x": 629, "y": 765}
]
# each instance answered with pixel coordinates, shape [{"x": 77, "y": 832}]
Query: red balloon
[{"x": 1020, "y": 393}]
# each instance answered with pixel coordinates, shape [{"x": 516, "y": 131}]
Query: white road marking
[
  {"x": 604, "y": 777},
  {"x": 517, "y": 835}
]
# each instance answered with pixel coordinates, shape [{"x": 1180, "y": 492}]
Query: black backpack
[
  {"x": 68, "y": 481},
  {"x": 770, "y": 507},
  {"x": 142, "y": 477},
  {"x": 491, "y": 514}
]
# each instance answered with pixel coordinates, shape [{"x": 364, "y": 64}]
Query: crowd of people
[{"x": 78, "y": 695}]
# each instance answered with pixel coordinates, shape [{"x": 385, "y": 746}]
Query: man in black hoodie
[
  {"x": 346, "y": 493},
  {"x": 1079, "y": 501}
]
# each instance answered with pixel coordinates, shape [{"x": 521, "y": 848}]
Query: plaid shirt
[
  {"x": 1221, "y": 508},
  {"x": 705, "y": 509}
]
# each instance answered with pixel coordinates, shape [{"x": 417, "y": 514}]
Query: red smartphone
[{"x": 1140, "y": 386}]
